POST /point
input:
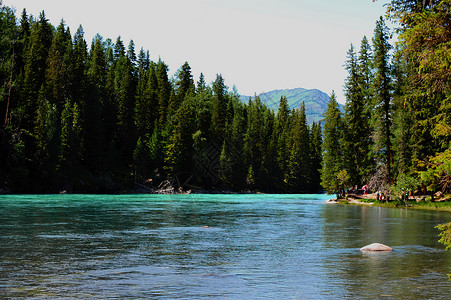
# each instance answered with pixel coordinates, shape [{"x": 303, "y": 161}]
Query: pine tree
[
  {"x": 143, "y": 63},
  {"x": 316, "y": 143},
  {"x": 24, "y": 38},
  {"x": 366, "y": 76},
  {"x": 146, "y": 103},
  {"x": 66, "y": 133},
  {"x": 46, "y": 135},
  {"x": 381, "y": 118},
  {"x": 93, "y": 125},
  {"x": 280, "y": 140},
  {"x": 266, "y": 174},
  {"x": 203, "y": 103},
  {"x": 184, "y": 85},
  {"x": 402, "y": 119},
  {"x": 236, "y": 149},
  {"x": 119, "y": 49},
  {"x": 164, "y": 92},
  {"x": 366, "y": 73},
  {"x": 201, "y": 85},
  {"x": 219, "y": 107},
  {"x": 57, "y": 76},
  {"x": 141, "y": 160},
  {"x": 300, "y": 163},
  {"x": 225, "y": 166},
  {"x": 36, "y": 65},
  {"x": 253, "y": 140},
  {"x": 332, "y": 149},
  {"x": 356, "y": 147},
  {"x": 125, "y": 95},
  {"x": 70, "y": 139},
  {"x": 179, "y": 150},
  {"x": 78, "y": 58},
  {"x": 155, "y": 146},
  {"x": 131, "y": 55},
  {"x": 9, "y": 53}
]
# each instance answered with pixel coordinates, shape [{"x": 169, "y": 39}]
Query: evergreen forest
[
  {"x": 394, "y": 135},
  {"x": 105, "y": 118}
]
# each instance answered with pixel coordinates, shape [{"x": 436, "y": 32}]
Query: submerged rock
[{"x": 376, "y": 247}]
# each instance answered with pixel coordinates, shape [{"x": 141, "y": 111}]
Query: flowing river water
[{"x": 216, "y": 246}]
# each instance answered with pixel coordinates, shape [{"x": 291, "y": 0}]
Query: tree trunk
[{"x": 10, "y": 88}]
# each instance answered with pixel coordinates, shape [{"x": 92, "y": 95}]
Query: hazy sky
[{"x": 257, "y": 45}]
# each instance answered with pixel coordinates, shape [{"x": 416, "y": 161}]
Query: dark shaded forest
[{"x": 104, "y": 118}]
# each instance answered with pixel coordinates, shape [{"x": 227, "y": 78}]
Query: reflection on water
[{"x": 207, "y": 246}]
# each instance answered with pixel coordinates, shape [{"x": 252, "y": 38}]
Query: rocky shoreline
[{"x": 415, "y": 202}]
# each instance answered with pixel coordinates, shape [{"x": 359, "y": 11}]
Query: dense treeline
[
  {"x": 103, "y": 118},
  {"x": 396, "y": 129}
]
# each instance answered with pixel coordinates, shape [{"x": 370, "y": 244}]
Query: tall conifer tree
[
  {"x": 184, "y": 86},
  {"x": 219, "y": 107},
  {"x": 381, "y": 119},
  {"x": 300, "y": 163},
  {"x": 356, "y": 134},
  {"x": 280, "y": 140},
  {"x": 164, "y": 92},
  {"x": 332, "y": 147},
  {"x": 57, "y": 76},
  {"x": 36, "y": 65}
]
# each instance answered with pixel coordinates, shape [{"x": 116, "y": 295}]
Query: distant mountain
[{"x": 315, "y": 101}]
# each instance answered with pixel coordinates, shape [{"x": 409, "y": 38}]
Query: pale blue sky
[{"x": 258, "y": 45}]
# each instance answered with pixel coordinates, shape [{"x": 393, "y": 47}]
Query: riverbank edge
[{"x": 370, "y": 200}]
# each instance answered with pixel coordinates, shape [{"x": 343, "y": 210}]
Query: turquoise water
[{"x": 216, "y": 246}]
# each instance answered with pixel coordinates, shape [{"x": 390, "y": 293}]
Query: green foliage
[
  {"x": 397, "y": 133},
  {"x": 316, "y": 142},
  {"x": 437, "y": 173},
  {"x": 332, "y": 150},
  {"x": 141, "y": 160},
  {"x": 183, "y": 86},
  {"x": 281, "y": 138},
  {"x": 164, "y": 91},
  {"x": 381, "y": 118},
  {"x": 300, "y": 157},
  {"x": 423, "y": 87},
  {"x": 179, "y": 149},
  {"x": 405, "y": 184},
  {"x": 445, "y": 235},
  {"x": 93, "y": 117},
  {"x": 225, "y": 166},
  {"x": 94, "y": 120},
  {"x": 343, "y": 180},
  {"x": 357, "y": 132},
  {"x": 45, "y": 133},
  {"x": 219, "y": 106},
  {"x": 35, "y": 66}
]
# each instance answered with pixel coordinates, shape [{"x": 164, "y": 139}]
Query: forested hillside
[
  {"x": 396, "y": 129},
  {"x": 315, "y": 101},
  {"x": 103, "y": 117}
]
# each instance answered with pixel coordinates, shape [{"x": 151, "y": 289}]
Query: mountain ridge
[{"x": 315, "y": 101}]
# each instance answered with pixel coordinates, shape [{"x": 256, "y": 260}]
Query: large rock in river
[{"x": 376, "y": 247}]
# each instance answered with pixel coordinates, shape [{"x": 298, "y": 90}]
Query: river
[{"x": 216, "y": 246}]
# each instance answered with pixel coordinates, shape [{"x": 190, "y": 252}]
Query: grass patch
[{"x": 424, "y": 205}]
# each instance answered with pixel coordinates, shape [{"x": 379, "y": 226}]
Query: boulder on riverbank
[{"x": 376, "y": 247}]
